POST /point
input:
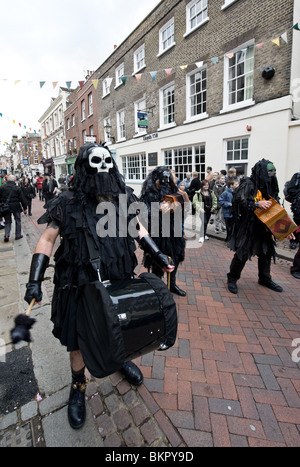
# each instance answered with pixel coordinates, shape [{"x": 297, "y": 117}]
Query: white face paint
[{"x": 100, "y": 159}]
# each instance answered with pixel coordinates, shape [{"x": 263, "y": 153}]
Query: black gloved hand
[
  {"x": 33, "y": 290},
  {"x": 150, "y": 247},
  {"x": 38, "y": 267}
]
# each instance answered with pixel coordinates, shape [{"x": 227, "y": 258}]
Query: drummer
[
  {"x": 71, "y": 215},
  {"x": 250, "y": 237}
]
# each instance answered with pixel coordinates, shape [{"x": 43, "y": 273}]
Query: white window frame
[
  {"x": 238, "y": 150},
  {"x": 73, "y": 119},
  {"x": 134, "y": 164},
  {"x": 106, "y": 87},
  {"x": 107, "y": 130},
  {"x": 189, "y": 116},
  {"x": 162, "y": 107},
  {"x": 190, "y": 6},
  {"x": 139, "y": 62},
  {"x": 170, "y": 38},
  {"x": 121, "y": 130},
  {"x": 186, "y": 159},
  {"x": 227, "y": 3},
  {"x": 248, "y": 101},
  {"x": 90, "y": 104},
  {"x": 139, "y": 105},
  {"x": 68, "y": 123},
  {"x": 120, "y": 71},
  {"x": 82, "y": 110}
]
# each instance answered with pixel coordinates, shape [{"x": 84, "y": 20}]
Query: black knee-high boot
[
  {"x": 173, "y": 287},
  {"x": 76, "y": 407}
]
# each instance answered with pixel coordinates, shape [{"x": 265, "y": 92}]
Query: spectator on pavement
[{"x": 12, "y": 193}]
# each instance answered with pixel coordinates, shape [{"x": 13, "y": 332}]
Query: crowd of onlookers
[{"x": 212, "y": 197}]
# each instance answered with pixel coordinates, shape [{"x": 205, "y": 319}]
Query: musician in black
[
  {"x": 158, "y": 184},
  {"x": 250, "y": 237},
  {"x": 72, "y": 215}
]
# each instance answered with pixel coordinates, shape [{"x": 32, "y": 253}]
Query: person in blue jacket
[{"x": 225, "y": 201}]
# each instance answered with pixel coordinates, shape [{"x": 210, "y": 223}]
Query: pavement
[{"x": 231, "y": 379}]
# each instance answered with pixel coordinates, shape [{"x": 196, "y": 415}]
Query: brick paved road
[{"x": 230, "y": 379}]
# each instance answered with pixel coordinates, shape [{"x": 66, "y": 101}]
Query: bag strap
[{"x": 95, "y": 259}]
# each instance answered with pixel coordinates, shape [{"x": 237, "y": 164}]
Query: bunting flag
[
  {"x": 183, "y": 67},
  {"x": 214, "y": 60},
  {"x": 124, "y": 79},
  {"x": 68, "y": 83},
  {"x": 153, "y": 75},
  {"x": 260, "y": 45},
  {"x": 42, "y": 83},
  {"x": 296, "y": 26},
  {"x": 168, "y": 71},
  {"x": 54, "y": 84},
  {"x": 138, "y": 77},
  {"x": 276, "y": 41},
  {"x": 284, "y": 37},
  {"x": 95, "y": 83},
  {"x": 199, "y": 64},
  {"x": 17, "y": 81},
  {"x": 81, "y": 83}
]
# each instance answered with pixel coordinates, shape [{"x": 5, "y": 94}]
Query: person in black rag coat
[
  {"x": 72, "y": 215},
  {"x": 250, "y": 237},
  {"x": 158, "y": 184}
]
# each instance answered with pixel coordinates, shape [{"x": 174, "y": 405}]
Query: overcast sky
[{"x": 55, "y": 41}]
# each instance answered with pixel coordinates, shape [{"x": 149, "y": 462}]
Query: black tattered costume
[
  {"x": 158, "y": 184},
  {"x": 82, "y": 217},
  {"x": 250, "y": 237}
]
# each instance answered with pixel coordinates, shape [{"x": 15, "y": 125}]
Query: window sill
[
  {"x": 239, "y": 106},
  {"x": 196, "y": 27},
  {"x": 166, "y": 50},
  {"x": 120, "y": 140},
  {"x": 138, "y": 71},
  {"x": 137, "y": 135},
  {"x": 118, "y": 85},
  {"x": 104, "y": 95},
  {"x": 90, "y": 115},
  {"x": 226, "y": 5},
  {"x": 166, "y": 127},
  {"x": 196, "y": 118}
]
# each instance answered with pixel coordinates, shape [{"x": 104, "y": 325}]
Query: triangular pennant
[
  {"x": 54, "y": 84},
  {"x": 168, "y": 71},
  {"x": 19, "y": 124},
  {"x": 260, "y": 45},
  {"x": 139, "y": 77},
  {"x": 183, "y": 67},
  {"x": 0, "y": 115},
  {"x": 214, "y": 60},
  {"x": 95, "y": 83},
  {"x": 199, "y": 64},
  {"x": 284, "y": 37},
  {"x": 153, "y": 74},
  {"x": 68, "y": 83},
  {"x": 42, "y": 83},
  {"x": 230, "y": 55},
  {"x": 17, "y": 81},
  {"x": 296, "y": 26},
  {"x": 81, "y": 83},
  {"x": 14, "y": 121},
  {"x": 276, "y": 41},
  {"x": 124, "y": 79}
]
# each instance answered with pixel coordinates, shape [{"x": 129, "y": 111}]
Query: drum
[
  {"x": 140, "y": 316},
  {"x": 277, "y": 220},
  {"x": 119, "y": 321}
]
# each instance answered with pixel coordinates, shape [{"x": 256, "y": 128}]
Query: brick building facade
[
  {"x": 81, "y": 119},
  {"x": 195, "y": 67}
]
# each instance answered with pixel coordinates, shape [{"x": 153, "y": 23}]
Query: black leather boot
[
  {"x": 132, "y": 373},
  {"x": 76, "y": 407},
  {"x": 173, "y": 287}
]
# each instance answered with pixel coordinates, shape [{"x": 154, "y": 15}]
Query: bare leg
[{"x": 76, "y": 360}]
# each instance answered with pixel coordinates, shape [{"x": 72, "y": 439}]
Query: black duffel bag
[{"x": 123, "y": 320}]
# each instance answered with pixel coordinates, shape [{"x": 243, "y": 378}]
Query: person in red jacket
[{"x": 39, "y": 184}]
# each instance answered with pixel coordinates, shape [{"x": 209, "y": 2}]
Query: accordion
[{"x": 277, "y": 220}]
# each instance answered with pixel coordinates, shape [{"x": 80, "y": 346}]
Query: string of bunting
[{"x": 168, "y": 71}]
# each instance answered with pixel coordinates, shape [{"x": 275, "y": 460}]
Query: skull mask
[{"x": 99, "y": 161}]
